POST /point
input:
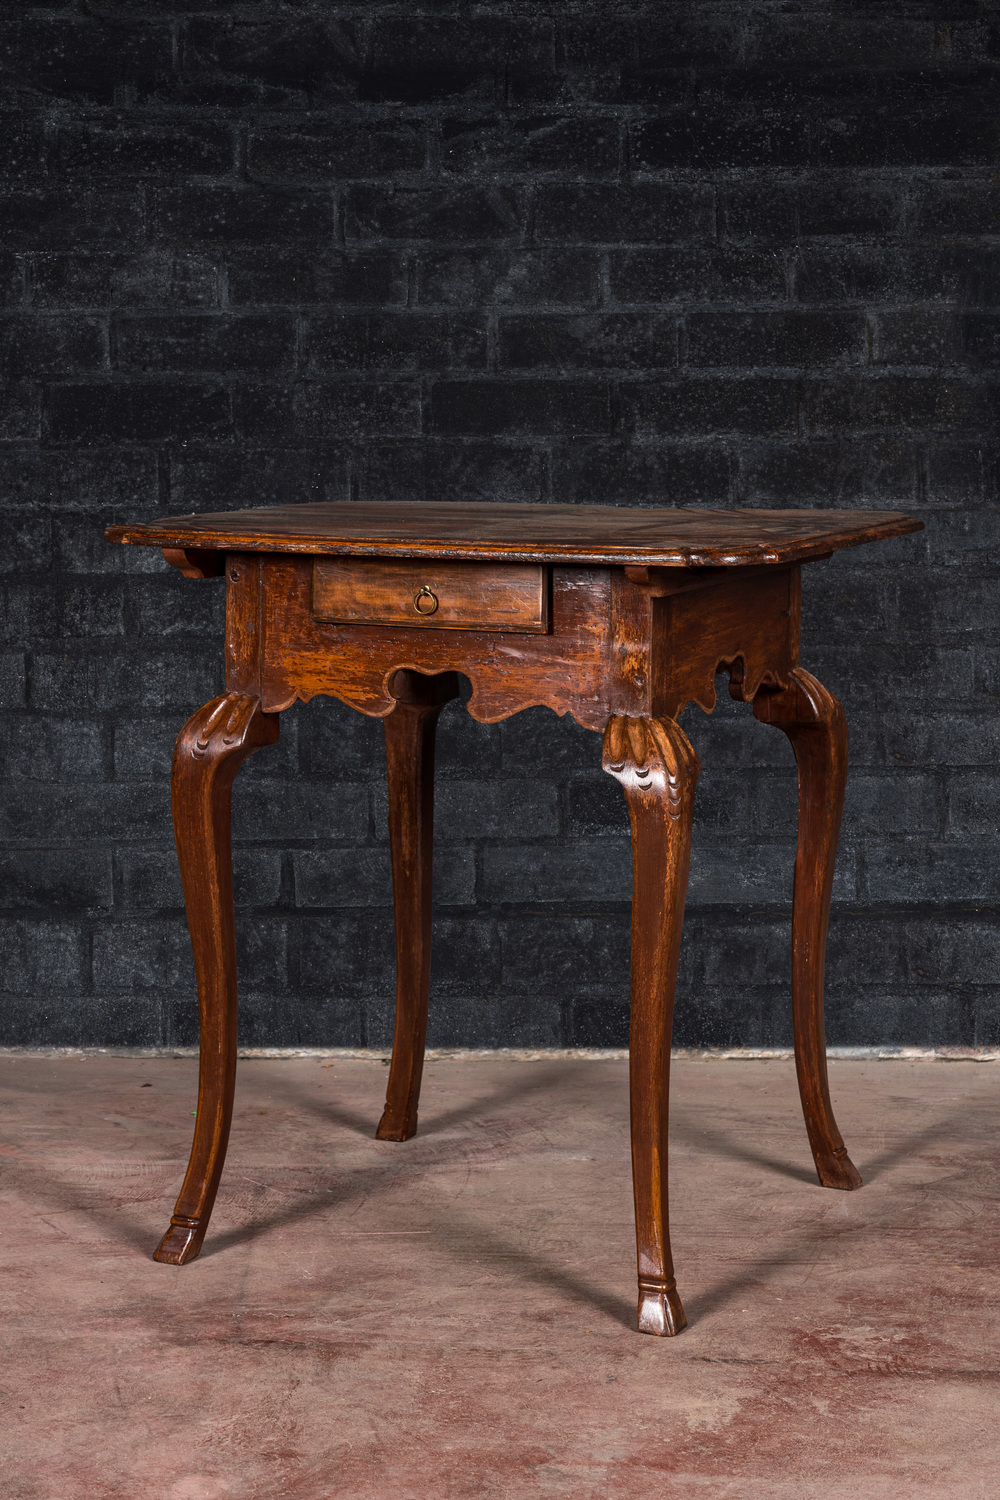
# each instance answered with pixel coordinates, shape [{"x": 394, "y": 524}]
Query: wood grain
[
  {"x": 564, "y": 669},
  {"x": 210, "y": 749},
  {"x": 244, "y": 624},
  {"x": 645, "y": 607},
  {"x": 613, "y": 646},
  {"x": 409, "y": 744},
  {"x": 659, "y": 536},
  {"x": 814, "y": 722},
  {"x": 747, "y": 624},
  {"x": 431, "y": 595},
  {"x": 657, "y": 768}
]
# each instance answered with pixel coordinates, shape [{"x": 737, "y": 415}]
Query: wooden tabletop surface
[{"x": 661, "y": 536}]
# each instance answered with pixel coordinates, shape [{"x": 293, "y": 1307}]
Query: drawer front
[{"x": 431, "y": 595}]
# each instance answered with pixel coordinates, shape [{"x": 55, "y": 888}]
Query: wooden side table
[{"x": 619, "y": 617}]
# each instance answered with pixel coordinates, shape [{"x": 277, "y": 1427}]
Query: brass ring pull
[{"x": 424, "y": 602}]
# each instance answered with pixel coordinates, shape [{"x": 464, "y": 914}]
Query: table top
[{"x": 661, "y": 536}]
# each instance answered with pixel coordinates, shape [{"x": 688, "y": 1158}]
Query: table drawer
[{"x": 431, "y": 595}]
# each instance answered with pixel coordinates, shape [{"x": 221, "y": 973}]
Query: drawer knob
[{"x": 425, "y": 602}]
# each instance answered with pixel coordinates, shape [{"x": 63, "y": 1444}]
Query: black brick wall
[{"x": 709, "y": 253}]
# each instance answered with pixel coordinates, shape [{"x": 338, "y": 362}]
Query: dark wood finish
[
  {"x": 244, "y": 625},
  {"x": 661, "y": 582},
  {"x": 665, "y": 536},
  {"x": 657, "y": 768},
  {"x": 644, "y": 608},
  {"x": 748, "y": 626},
  {"x": 409, "y": 745},
  {"x": 210, "y": 749},
  {"x": 303, "y": 656},
  {"x": 612, "y": 646},
  {"x": 430, "y": 594},
  {"x": 814, "y": 722}
]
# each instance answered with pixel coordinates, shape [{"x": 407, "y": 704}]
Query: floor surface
[{"x": 453, "y": 1317}]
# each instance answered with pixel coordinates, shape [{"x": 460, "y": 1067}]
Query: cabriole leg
[
  {"x": 409, "y": 745},
  {"x": 210, "y": 749},
  {"x": 814, "y": 722},
  {"x": 658, "y": 769}
]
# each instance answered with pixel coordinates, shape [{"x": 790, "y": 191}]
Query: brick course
[{"x": 616, "y": 252}]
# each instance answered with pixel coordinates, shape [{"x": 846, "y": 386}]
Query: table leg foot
[
  {"x": 396, "y": 1127},
  {"x": 660, "y": 1310},
  {"x": 181, "y": 1243},
  {"x": 836, "y": 1170}
]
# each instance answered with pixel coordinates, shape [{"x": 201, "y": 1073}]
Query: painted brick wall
[{"x": 710, "y": 253}]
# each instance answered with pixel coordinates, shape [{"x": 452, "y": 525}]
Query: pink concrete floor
[{"x": 453, "y": 1317}]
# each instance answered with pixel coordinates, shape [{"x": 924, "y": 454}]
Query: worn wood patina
[{"x": 618, "y": 616}]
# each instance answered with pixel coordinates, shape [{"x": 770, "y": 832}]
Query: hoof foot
[
  {"x": 660, "y": 1311},
  {"x": 180, "y": 1244},
  {"x": 391, "y": 1128},
  {"x": 836, "y": 1170}
]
